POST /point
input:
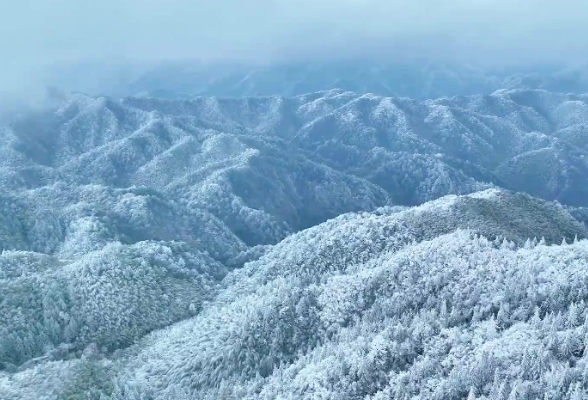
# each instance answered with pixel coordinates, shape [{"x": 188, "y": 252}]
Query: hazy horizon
[{"x": 39, "y": 38}]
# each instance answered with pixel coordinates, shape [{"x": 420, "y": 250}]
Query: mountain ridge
[
  {"x": 416, "y": 79},
  {"x": 294, "y": 284},
  {"x": 331, "y": 244}
]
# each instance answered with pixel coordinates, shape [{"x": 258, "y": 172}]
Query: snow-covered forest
[{"x": 329, "y": 245}]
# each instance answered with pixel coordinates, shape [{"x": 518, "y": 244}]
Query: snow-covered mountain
[
  {"x": 411, "y": 78},
  {"x": 396, "y": 302},
  {"x": 329, "y": 245},
  {"x": 380, "y": 148}
]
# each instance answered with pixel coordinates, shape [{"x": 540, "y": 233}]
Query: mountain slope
[
  {"x": 371, "y": 305},
  {"x": 326, "y": 299},
  {"x": 462, "y": 142},
  {"x": 107, "y": 298},
  {"x": 320, "y": 245},
  {"x": 195, "y": 175},
  {"x": 208, "y": 163}
]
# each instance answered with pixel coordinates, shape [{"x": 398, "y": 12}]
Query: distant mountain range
[
  {"x": 385, "y": 149},
  {"x": 415, "y": 79},
  {"x": 326, "y": 245}
]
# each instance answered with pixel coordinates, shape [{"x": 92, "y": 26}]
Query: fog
[{"x": 35, "y": 33}]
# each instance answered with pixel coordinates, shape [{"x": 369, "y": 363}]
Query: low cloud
[{"x": 35, "y": 33}]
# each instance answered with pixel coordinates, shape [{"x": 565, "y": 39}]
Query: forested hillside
[{"x": 331, "y": 245}]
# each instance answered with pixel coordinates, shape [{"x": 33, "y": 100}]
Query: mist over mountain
[
  {"x": 419, "y": 79},
  {"x": 332, "y": 244}
]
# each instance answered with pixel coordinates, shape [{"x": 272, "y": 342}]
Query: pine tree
[
  {"x": 503, "y": 316},
  {"x": 514, "y": 392},
  {"x": 526, "y": 364},
  {"x": 496, "y": 384},
  {"x": 444, "y": 313},
  {"x": 577, "y": 392},
  {"x": 568, "y": 345},
  {"x": 472, "y": 394},
  {"x": 536, "y": 320},
  {"x": 573, "y": 319},
  {"x": 502, "y": 392},
  {"x": 584, "y": 330},
  {"x": 505, "y": 245},
  {"x": 585, "y": 371}
]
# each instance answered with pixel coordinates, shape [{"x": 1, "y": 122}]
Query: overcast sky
[{"x": 37, "y": 31}]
